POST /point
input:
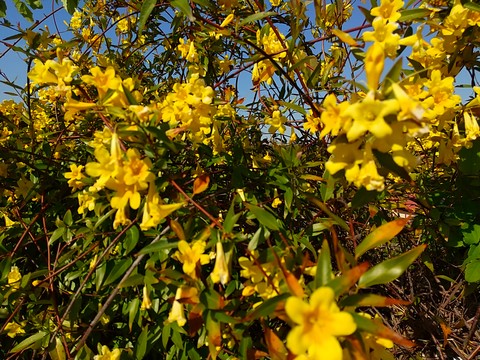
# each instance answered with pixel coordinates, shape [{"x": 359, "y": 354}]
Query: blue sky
[
  {"x": 12, "y": 63},
  {"x": 15, "y": 68}
]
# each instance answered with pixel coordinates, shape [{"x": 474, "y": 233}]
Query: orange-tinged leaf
[
  {"x": 177, "y": 229},
  {"x": 201, "y": 184},
  {"x": 391, "y": 269},
  {"x": 341, "y": 284},
  {"x": 380, "y": 330},
  {"x": 293, "y": 284},
  {"x": 371, "y": 300},
  {"x": 346, "y": 38},
  {"x": 380, "y": 236},
  {"x": 276, "y": 348}
]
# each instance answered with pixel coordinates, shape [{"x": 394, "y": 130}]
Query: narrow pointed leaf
[
  {"x": 341, "y": 284},
  {"x": 380, "y": 236},
  {"x": 264, "y": 217},
  {"x": 324, "y": 266},
  {"x": 380, "y": 330},
  {"x": 391, "y": 269},
  {"x": 371, "y": 300},
  {"x": 29, "y": 341},
  {"x": 145, "y": 11}
]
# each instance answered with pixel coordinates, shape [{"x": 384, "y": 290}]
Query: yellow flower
[
  {"x": 276, "y": 202},
  {"x": 275, "y": 2},
  {"x": 384, "y": 36},
  {"x": 318, "y": 324},
  {"x": 190, "y": 255},
  {"x": 13, "y": 329},
  {"x": 227, "y": 20},
  {"x": 220, "y": 271},
  {"x": 75, "y": 177},
  {"x": 103, "y": 81},
  {"x": 107, "y": 354},
  {"x": 276, "y": 122},
  {"x": 472, "y": 130},
  {"x": 177, "y": 313},
  {"x": 333, "y": 118},
  {"x": 146, "y": 302},
  {"x": 154, "y": 210},
  {"x": 14, "y": 277},
  {"x": 369, "y": 115},
  {"x": 388, "y": 10},
  {"x": 374, "y": 63}
]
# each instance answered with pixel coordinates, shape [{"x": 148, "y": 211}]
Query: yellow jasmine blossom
[
  {"x": 369, "y": 115},
  {"x": 13, "y": 329},
  {"x": 220, "y": 271},
  {"x": 276, "y": 202},
  {"x": 276, "y": 122},
  {"x": 333, "y": 118},
  {"x": 190, "y": 255},
  {"x": 227, "y": 20},
  {"x": 472, "y": 129},
  {"x": 146, "y": 302},
  {"x": 388, "y": 10},
  {"x": 374, "y": 64},
  {"x": 154, "y": 211},
  {"x": 14, "y": 277},
  {"x": 384, "y": 36},
  {"x": 318, "y": 324},
  {"x": 106, "y": 354},
  {"x": 75, "y": 177},
  {"x": 177, "y": 313},
  {"x": 275, "y": 2}
]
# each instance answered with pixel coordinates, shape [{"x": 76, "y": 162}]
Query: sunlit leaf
[
  {"x": 380, "y": 236},
  {"x": 29, "y": 342},
  {"x": 145, "y": 11},
  {"x": 201, "y": 184},
  {"x": 391, "y": 269}
]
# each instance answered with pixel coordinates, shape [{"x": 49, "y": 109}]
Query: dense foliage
[{"x": 238, "y": 178}]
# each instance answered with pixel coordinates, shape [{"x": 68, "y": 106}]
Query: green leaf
[
  {"x": 67, "y": 218},
  {"x": 413, "y": 14},
  {"x": 5, "y": 267},
  {"x": 266, "y": 308},
  {"x": 131, "y": 239},
  {"x": 391, "y": 269},
  {"x": 103, "y": 218},
  {"x": 3, "y": 9},
  {"x": 23, "y": 9},
  {"x": 379, "y": 330},
  {"x": 230, "y": 219},
  {"x": 57, "y": 233},
  {"x": 472, "y": 6},
  {"x": 256, "y": 17},
  {"x": 145, "y": 11},
  {"x": 58, "y": 352},
  {"x": 380, "y": 236},
  {"x": 141, "y": 345},
  {"x": 326, "y": 190},
  {"x": 386, "y": 160},
  {"x": 133, "y": 280},
  {"x": 265, "y": 218},
  {"x": 28, "y": 342},
  {"x": 371, "y": 300},
  {"x": 131, "y": 99},
  {"x": 158, "y": 246},
  {"x": 472, "y": 271},
  {"x": 184, "y": 7},
  {"x": 343, "y": 283},
  {"x": 118, "y": 270},
  {"x": 133, "y": 307},
  {"x": 363, "y": 197},
  {"x": 293, "y": 106},
  {"x": 324, "y": 272},
  {"x": 325, "y": 209},
  {"x": 70, "y": 5}
]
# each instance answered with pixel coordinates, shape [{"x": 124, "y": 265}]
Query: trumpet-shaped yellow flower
[
  {"x": 333, "y": 118},
  {"x": 191, "y": 254},
  {"x": 106, "y": 354},
  {"x": 154, "y": 210},
  {"x": 146, "y": 302},
  {"x": 318, "y": 323},
  {"x": 184, "y": 294},
  {"x": 75, "y": 177},
  {"x": 384, "y": 36},
  {"x": 220, "y": 273},
  {"x": 276, "y": 122},
  {"x": 374, "y": 64},
  {"x": 369, "y": 115},
  {"x": 388, "y": 10}
]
